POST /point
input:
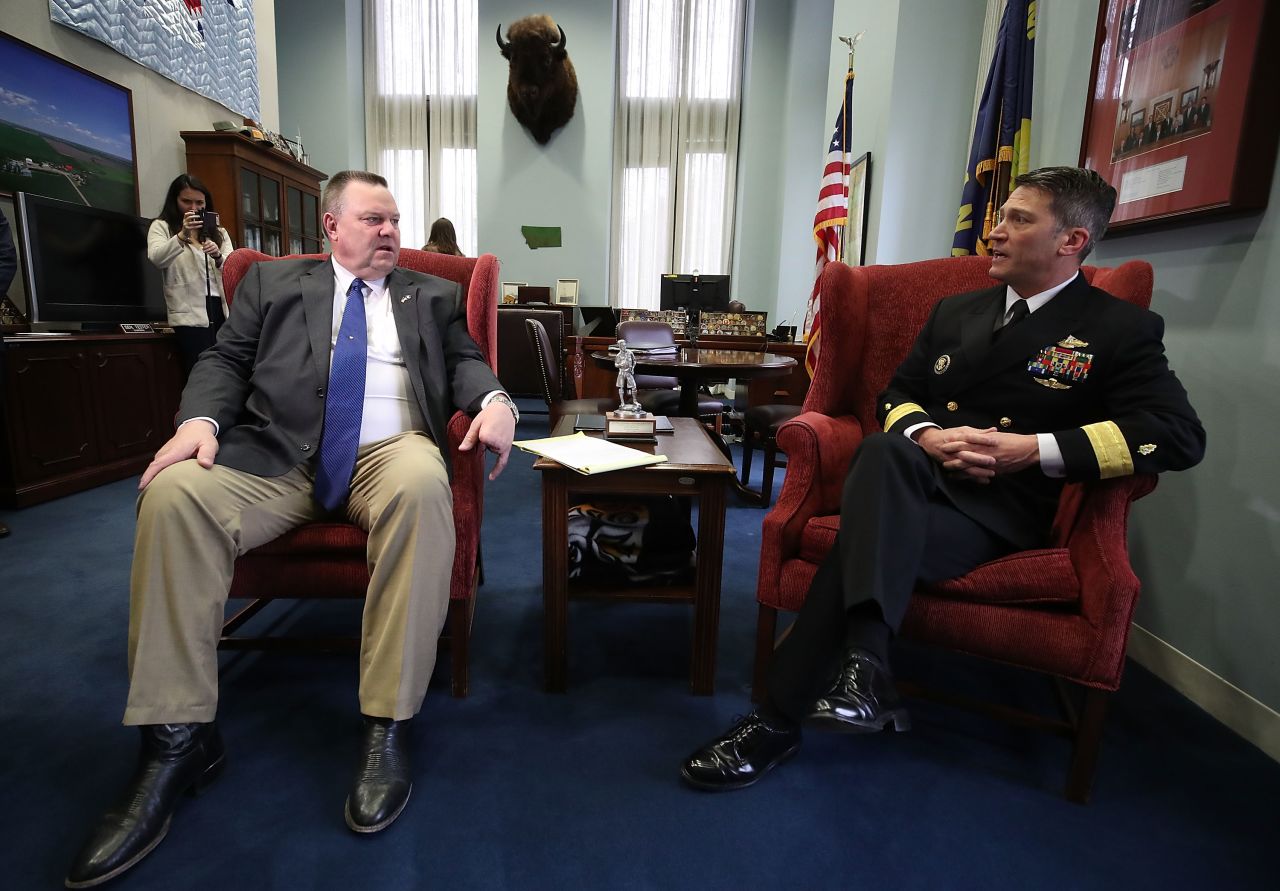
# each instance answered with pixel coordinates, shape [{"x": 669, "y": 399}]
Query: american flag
[{"x": 829, "y": 220}]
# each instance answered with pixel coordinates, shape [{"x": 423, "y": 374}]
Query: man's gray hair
[
  {"x": 1077, "y": 196},
  {"x": 331, "y": 201}
]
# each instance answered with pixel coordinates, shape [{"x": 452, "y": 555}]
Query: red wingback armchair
[
  {"x": 1063, "y": 610},
  {"x": 329, "y": 559}
]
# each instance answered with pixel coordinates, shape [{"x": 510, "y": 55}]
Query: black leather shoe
[
  {"x": 382, "y": 784},
  {"x": 174, "y": 758},
  {"x": 862, "y": 699},
  {"x": 745, "y": 753}
]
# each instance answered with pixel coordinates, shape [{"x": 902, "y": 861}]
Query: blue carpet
[{"x": 517, "y": 788}]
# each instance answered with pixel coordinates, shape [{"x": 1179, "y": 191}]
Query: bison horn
[
  {"x": 503, "y": 46},
  {"x": 559, "y": 47}
]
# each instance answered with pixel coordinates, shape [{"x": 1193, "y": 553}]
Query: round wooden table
[{"x": 692, "y": 365}]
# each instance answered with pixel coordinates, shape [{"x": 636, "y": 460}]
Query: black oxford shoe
[
  {"x": 382, "y": 784},
  {"x": 174, "y": 758},
  {"x": 862, "y": 699},
  {"x": 745, "y": 753}
]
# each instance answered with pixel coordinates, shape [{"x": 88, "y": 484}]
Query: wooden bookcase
[{"x": 267, "y": 200}]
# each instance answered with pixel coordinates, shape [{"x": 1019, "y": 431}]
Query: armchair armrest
[
  {"x": 1099, "y": 548},
  {"x": 468, "y": 503},
  {"x": 819, "y": 449}
]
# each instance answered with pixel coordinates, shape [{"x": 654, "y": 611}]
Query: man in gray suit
[{"x": 327, "y": 392}]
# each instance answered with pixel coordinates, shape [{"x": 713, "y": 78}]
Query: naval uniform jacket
[
  {"x": 1087, "y": 367},
  {"x": 264, "y": 379}
]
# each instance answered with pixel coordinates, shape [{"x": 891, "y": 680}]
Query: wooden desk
[
  {"x": 589, "y": 380},
  {"x": 695, "y": 467},
  {"x": 80, "y": 410}
]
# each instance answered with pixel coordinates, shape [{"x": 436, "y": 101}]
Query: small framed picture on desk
[
  {"x": 511, "y": 291},
  {"x": 566, "y": 292}
]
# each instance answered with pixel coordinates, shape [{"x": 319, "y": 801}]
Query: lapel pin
[{"x": 405, "y": 298}]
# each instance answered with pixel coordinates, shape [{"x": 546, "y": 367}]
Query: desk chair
[
  {"x": 547, "y": 356},
  {"x": 760, "y": 426},
  {"x": 1062, "y": 611},
  {"x": 320, "y": 560}
]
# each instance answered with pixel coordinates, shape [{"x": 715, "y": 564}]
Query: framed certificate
[{"x": 566, "y": 292}]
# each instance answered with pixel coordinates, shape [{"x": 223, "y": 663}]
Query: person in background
[
  {"x": 443, "y": 240},
  {"x": 190, "y": 256}
]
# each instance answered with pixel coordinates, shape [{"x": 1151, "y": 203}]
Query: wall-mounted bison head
[{"x": 542, "y": 87}]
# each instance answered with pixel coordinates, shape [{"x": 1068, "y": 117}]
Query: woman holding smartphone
[{"x": 186, "y": 243}]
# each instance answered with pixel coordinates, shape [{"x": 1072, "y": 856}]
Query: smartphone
[{"x": 210, "y": 227}]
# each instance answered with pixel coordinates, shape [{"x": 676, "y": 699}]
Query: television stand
[{"x": 79, "y": 410}]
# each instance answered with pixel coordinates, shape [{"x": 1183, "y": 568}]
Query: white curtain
[
  {"x": 675, "y": 142},
  {"x": 420, "y": 99}
]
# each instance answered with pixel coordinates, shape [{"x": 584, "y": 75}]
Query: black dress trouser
[{"x": 897, "y": 528}]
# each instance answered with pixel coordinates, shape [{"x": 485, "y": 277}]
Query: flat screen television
[
  {"x": 695, "y": 292},
  {"x": 85, "y": 267}
]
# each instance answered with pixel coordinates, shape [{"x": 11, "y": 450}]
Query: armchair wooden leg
[
  {"x": 766, "y": 629},
  {"x": 1085, "y": 745}
]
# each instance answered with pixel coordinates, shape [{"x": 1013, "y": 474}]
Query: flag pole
[{"x": 852, "y": 44}]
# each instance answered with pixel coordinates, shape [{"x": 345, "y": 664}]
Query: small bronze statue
[{"x": 625, "y": 362}]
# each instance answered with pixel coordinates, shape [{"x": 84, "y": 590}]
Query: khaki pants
[{"x": 193, "y": 523}]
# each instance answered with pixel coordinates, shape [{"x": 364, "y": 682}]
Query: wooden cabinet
[
  {"x": 267, "y": 200},
  {"x": 79, "y": 410}
]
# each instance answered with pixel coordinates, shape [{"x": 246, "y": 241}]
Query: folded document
[{"x": 589, "y": 454}]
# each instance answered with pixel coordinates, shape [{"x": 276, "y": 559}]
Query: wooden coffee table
[{"x": 695, "y": 468}]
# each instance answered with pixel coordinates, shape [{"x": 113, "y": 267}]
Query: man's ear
[
  {"x": 329, "y": 224},
  {"x": 1077, "y": 239}
]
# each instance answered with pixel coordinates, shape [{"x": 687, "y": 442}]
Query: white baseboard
[{"x": 1255, "y": 721}]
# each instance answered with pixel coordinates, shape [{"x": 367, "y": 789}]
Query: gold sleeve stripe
[
  {"x": 1109, "y": 447},
  {"x": 899, "y": 413}
]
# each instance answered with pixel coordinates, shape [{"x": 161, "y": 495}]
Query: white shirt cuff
[
  {"x": 914, "y": 427},
  {"x": 216, "y": 428},
  {"x": 1051, "y": 460}
]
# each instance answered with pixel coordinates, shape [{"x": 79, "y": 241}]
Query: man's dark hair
[
  {"x": 331, "y": 201},
  {"x": 1077, "y": 196}
]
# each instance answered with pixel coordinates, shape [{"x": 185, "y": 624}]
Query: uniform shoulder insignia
[
  {"x": 1072, "y": 342},
  {"x": 1146, "y": 449}
]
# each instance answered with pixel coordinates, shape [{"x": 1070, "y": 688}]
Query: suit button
[
  {"x": 953, "y": 406},
  {"x": 320, "y": 392},
  {"x": 306, "y": 446},
  {"x": 1006, "y": 422}
]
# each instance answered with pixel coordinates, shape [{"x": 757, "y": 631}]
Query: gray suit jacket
[{"x": 264, "y": 380}]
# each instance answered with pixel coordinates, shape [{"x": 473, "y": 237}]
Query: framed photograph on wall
[
  {"x": 1181, "y": 115},
  {"x": 511, "y": 291},
  {"x": 855, "y": 231},
  {"x": 69, "y": 132},
  {"x": 566, "y": 292}
]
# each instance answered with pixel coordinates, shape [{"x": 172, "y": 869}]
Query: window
[
  {"x": 421, "y": 83},
  {"x": 676, "y": 142}
]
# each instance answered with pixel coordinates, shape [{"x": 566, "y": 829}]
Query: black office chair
[{"x": 547, "y": 357}]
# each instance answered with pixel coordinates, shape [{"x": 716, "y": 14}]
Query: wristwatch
[{"x": 508, "y": 402}]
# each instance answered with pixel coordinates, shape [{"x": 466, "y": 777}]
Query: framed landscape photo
[
  {"x": 855, "y": 245},
  {"x": 511, "y": 291},
  {"x": 1182, "y": 109},
  {"x": 566, "y": 292},
  {"x": 64, "y": 132}
]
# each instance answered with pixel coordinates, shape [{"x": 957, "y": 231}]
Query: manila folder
[{"x": 588, "y": 454}]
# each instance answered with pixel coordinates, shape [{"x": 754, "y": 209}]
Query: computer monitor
[
  {"x": 695, "y": 292},
  {"x": 597, "y": 321}
]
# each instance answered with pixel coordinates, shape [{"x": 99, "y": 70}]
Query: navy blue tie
[{"x": 344, "y": 404}]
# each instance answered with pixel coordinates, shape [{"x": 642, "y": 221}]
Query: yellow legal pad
[{"x": 589, "y": 454}]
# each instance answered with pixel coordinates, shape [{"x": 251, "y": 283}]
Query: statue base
[{"x": 625, "y": 425}]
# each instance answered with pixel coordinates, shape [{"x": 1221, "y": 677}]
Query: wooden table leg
[
  {"x": 555, "y": 577},
  {"x": 706, "y": 605}
]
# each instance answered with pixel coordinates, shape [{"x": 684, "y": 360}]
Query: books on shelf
[{"x": 588, "y": 454}]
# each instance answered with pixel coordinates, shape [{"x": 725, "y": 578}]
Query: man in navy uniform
[{"x": 1007, "y": 393}]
